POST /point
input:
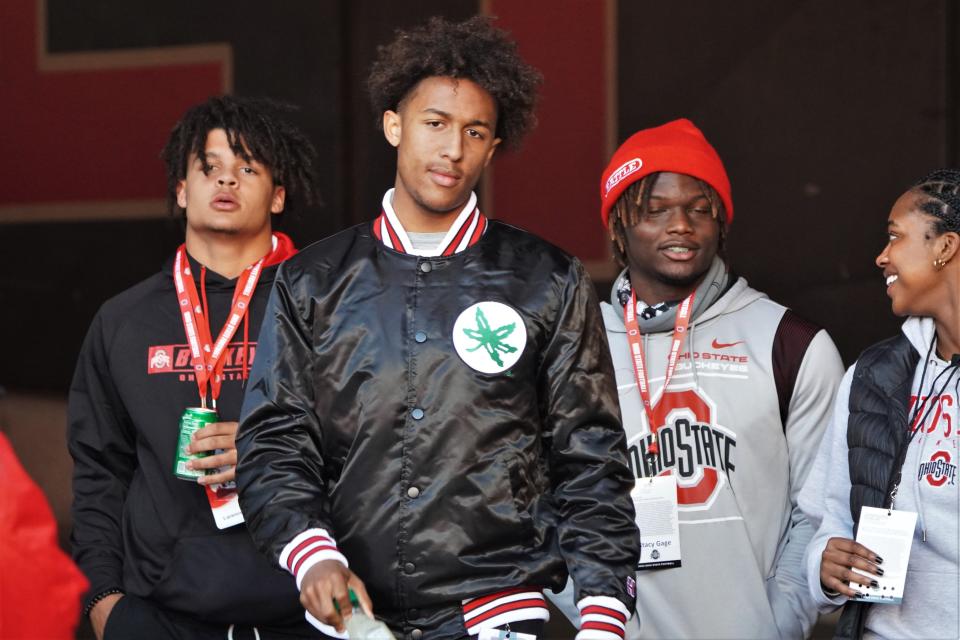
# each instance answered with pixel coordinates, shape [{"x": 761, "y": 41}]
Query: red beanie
[{"x": 675, "y": 147}]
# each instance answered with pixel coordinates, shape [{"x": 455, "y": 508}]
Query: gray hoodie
[
  {"x": 928, "y": 487},
  {"x": 742, "y": 535}
]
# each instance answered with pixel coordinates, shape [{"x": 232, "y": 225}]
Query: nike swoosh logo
[{"x": 724, "y": 345}]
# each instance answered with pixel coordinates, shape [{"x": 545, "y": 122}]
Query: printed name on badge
[{"x": 655, "y": 501}]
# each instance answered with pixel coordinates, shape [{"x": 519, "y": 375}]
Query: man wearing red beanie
[{"x": 724, "y": 396}]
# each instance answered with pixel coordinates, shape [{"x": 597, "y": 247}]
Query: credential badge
[{"x": 489, "y": 336}]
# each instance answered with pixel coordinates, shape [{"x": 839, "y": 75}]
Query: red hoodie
[{"x": 40, "y": 587}]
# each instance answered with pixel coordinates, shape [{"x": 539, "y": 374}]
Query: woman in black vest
[{"x": 887, "y": 450}]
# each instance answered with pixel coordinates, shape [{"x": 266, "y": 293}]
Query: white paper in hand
[
  {"x": 361, "y": 627},
  {"x": 889, "y": 534}
]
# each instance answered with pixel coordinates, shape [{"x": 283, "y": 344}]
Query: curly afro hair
[
  {"x": 474, "y": 50},
  {"x": 257, "y": 129}
]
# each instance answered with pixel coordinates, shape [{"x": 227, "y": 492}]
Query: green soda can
[{"x": 193, "y": 418}]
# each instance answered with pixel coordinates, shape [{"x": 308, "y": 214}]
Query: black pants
[{"x": 133, "y": 618}]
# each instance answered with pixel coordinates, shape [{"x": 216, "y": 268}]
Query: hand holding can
[
  {"x": 192, "y": 420},
  {"x": 217, "y": 442}
]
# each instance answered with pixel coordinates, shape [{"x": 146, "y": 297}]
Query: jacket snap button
[
  {"x": 417, "y": 414},
  {"x": 413, "y": 492},
  {"x": 409, "y": 567},
  {"x": 416, "y": 634},
  {"x": 426, "y": 267},
  {"x": 420, "y": 336}
]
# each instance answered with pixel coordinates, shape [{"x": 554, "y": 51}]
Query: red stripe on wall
[
  {"x": 57, "y": 147},
  {"x": 550, "y": 186}
]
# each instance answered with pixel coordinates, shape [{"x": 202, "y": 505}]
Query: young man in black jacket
[
  {"x": 167, "y": 557},
  {"x": 433, "y": 399}
]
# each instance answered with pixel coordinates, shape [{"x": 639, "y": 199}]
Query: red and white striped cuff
[
  {"x": 307, "y": 549},
  {"x": 602, "y": 618},
  {"x": 503, "y": 607}
]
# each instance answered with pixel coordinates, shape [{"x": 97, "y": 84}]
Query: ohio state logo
[
  {"x": 690, "y": 445},
  {"x": 159, "y": 360},
  {"x": 938, "y": 470},
  {"x": 489, "y": 336}
]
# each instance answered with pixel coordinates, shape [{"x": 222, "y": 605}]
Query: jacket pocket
[{"x": 499, "y": 527}]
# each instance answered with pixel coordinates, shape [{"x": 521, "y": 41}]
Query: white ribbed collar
[{"x": 465, "y": 231}]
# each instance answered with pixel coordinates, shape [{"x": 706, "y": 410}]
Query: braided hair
[
  {"x": 256, "y": 130},
  {"x": 941, "y": 191},
  {"x": 636, "y": 198},
  {"x": 472, "y": 50}
]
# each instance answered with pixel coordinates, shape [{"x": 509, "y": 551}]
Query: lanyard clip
[{"x": 893, "y": 497}]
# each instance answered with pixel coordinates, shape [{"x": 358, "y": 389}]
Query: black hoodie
[{"x": 136, "y": 526}]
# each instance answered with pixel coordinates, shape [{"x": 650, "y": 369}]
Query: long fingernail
[
  {"x": 878, "y": 560},
  {"x": 874, "y": 584},
  {"x": 879, "y": 571}
]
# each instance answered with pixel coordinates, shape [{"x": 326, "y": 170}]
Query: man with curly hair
[
  {"x": 433, "y": 402},
  {"x": 167, "y": 557}
]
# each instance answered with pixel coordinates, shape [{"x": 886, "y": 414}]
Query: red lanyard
[
  {"x": 207, "y": 357},
  {"x": 634, "y": 338}
]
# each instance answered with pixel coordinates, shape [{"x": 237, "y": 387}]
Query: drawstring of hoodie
[
  {"x": 921, "y": 414},
  {"x": 916, "y": 485},
  {"x": 256, "y": 632},
  {"x": 921, "y": 443}
]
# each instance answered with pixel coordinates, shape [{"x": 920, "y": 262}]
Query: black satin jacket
[{"x": 518, "y": 476}]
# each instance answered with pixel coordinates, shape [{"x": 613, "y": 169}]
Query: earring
[{"x": 939, "y": 264}]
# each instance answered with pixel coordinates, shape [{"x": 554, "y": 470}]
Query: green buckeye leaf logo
[
  {"x": 489, "y": 336},
  {"x": 491, "y": 340}
]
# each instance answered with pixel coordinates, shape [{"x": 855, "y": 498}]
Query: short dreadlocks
[
  {"x": 474, "y": 50},
  {"x": 941, "y": 191},
  {"x": 636, "y": 198},
  {"x": 257, "y": 130}
]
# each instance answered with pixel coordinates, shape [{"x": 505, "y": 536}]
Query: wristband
[{"x": 97, "y": 598}]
